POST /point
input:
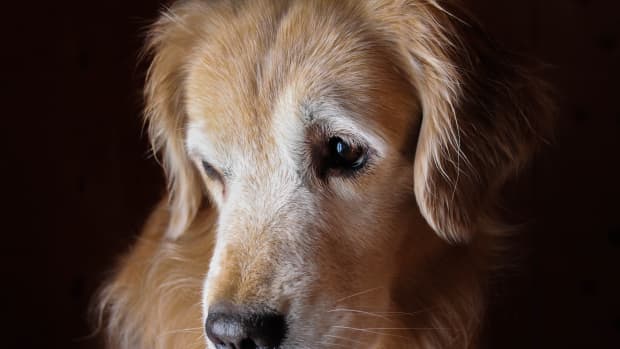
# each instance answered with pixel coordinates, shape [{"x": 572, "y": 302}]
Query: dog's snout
[{"x": 233, "y": 327}]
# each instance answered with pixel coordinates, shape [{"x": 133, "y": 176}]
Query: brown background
[{"x": 77, "y": 179}]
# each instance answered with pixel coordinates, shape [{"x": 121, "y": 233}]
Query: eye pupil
[{"x": 344, "y": 156}]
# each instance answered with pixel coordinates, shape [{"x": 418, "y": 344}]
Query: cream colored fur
[{"x": 397, "y": 256}]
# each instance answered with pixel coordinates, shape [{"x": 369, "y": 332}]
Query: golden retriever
[{"x": 333, "y": 168}]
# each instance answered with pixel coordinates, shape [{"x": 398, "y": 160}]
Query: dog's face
[
  {"x": 304, "y": 147},
  {"x": 338, "y": 142}
]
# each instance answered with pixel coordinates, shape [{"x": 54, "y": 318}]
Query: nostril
[
  {"x": 267, "y": 329},
  {"x": 248, "y": 344},
  {"x": 235, "y": 327}
]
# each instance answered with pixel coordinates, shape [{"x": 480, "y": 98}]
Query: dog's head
[{"x": 343, "y": 144}]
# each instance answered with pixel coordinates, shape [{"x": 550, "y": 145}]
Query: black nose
[{"x": 234, "y": 327}]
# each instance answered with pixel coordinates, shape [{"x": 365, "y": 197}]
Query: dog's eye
[
  {"x": 343, "y": 155},
  {"x": 211, "y": 171}
]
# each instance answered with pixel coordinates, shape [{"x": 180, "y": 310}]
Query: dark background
[{"x": 78, "y": 180}]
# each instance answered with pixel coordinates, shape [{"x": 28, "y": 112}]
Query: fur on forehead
[{"x": 353, "y": 71}]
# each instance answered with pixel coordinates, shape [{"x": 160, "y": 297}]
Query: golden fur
[{"x": 395, "y": 257}]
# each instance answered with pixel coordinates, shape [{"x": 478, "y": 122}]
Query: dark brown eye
[{"x": 342, "y": 155}]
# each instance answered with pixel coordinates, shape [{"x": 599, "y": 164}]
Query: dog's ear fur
[
  {"x": 483, "y": 114},
  {"x": 168, "y": 49}
]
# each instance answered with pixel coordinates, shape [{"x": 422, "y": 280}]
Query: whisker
[
  {"x": 346, "y": 339},
  {"x": 333, "y": 344},
  {"x": 370, "y": 331},
  {"x": 405, "y": 328},
  {"x": 389, "y": 313},
  {"x": 359, "y": 312},
  {"x": 358, "y": 294},
  {"x": 182, "y": 330},
  {"x": 402, "y": 312}
]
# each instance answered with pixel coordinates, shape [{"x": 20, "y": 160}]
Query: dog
[{"x": 333, "y": 171}]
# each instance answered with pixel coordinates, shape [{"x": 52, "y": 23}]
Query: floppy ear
[
  {"x": 483, "y": 115},
  {"x": 169, "y": 47}
]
